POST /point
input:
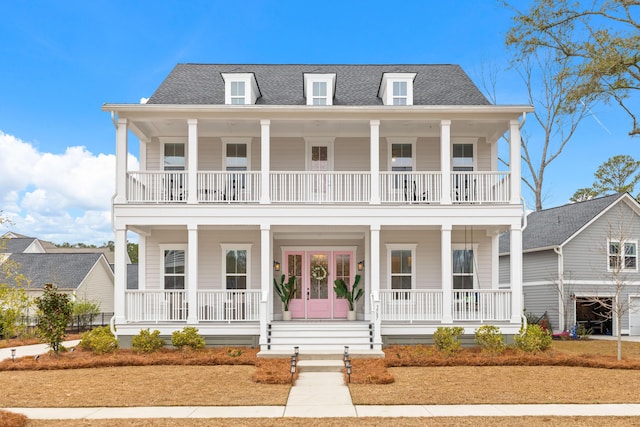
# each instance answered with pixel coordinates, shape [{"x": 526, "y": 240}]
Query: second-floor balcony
[{"x": 296, "y": 187}]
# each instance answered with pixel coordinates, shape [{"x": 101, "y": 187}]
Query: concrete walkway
[
  {"x": 321, "y": 410},
  {"x": 32, "y": 350}
]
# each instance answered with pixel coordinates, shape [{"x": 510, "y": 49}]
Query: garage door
[{"x": 634, "y": 316}]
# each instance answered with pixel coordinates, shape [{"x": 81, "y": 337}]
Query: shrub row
[
  {"x": 490, "y": 340},
  {"x": 101, "y": 340}
]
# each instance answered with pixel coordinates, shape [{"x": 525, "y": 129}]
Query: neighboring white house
[
  {"x": 251, "y": 171},
  {"x": 570, "y": 254}
]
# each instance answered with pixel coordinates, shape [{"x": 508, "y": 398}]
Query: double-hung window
[
  {"x": 402, "y": 161},
  {"x": 319, "y": 95},
  {"x": 238, "y": 93},
  {"x": 236, "y": 266},
  {"x": 173, "y": 267},
  {"x": 463, "y": 268},
  {"x": 401, "y": 269},
  {"x": 400, "y": 93},
  {"x": 623, "y": 255},
  {"x": 462, "y": 162}
]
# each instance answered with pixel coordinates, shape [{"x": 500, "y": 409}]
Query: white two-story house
[{"x": 321, "y": 172}]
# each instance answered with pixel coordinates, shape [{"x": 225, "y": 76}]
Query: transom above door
[{"x": 315, "y": 271}]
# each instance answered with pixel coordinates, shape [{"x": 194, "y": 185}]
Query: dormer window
[
  {"x": 240, "y": 88},
  {"x": 397, "y": 88},
  {"x": 237, "y": 93},
  {"x": 319, "y": 89}
]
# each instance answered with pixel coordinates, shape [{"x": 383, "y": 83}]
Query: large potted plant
[
  {"x": 351, "y": 295},
  {"x": 286, "y": 291}
]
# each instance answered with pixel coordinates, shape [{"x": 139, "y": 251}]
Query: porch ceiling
[{"x": 177, "y": 127}]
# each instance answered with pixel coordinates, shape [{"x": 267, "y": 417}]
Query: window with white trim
[
  {"x": 238, "y": 96},
  {"x": 401, "y": 268},
  {"x": 462, "y": 157},
  {"x": 174, "y": 159},
  {"x": 463, "y": 267},
  {"x": 236, "y": 157},
  {"x": 400, "y": 93},
  {"x": 623, "y": 255},
  {"x": 173, "y": 267},
  {"x": 319, "y": 93},
  {"x": 236, "y": 266}
]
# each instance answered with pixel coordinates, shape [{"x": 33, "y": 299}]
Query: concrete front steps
[{"x": 320, "y": 336}]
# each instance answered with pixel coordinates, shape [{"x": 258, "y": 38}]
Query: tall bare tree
[
  {"x": 554, "y": 124},
  {"x": 597, "y": 42}
]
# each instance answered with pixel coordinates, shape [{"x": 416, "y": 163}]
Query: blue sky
[{"x": 61, "y": 60}]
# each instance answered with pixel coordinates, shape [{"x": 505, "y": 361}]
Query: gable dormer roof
[{"x": 202, "y": 84}]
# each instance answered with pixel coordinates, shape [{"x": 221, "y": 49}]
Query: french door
[{"x": 315, "y": 272}]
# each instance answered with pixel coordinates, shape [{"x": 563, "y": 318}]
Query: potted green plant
[
  {"x": 351, "y": 295},
  {"x": 285, "y": 291}
]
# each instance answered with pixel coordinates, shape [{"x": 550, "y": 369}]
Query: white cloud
[
  {"x": 59, "y": 197},
  {"x": 143, "y": 100}
]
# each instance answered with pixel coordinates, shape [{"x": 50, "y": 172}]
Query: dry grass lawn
[{"x": 211, "y": 384}]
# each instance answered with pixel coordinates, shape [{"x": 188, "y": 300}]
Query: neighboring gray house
[
  {"x": 570, "y": 255},
  {"x": 85, "y": 275}
]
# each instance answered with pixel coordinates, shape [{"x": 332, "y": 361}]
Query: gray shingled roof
[
  {"x": 552, "y": 227},
  {"x": 15, "y": 245},
  {"x": 67, "y": 271},
  {"x": 283, "y": 84}
]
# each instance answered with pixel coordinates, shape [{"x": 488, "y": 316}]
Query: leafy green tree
[
  {"x": 14, "y": 301},
  {"x": 600, "y": 40},
  {"x": 55, "y": 311},
  {"x": 619, "y": 174}
]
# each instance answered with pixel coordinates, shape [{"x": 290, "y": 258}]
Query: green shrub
[
  {"x": 446, "y": 339},
  {"x": 234, "y": 352},
  {"x": 188, "y": 337},
  {"x": 535, "y": 338},
  {"x": 490, "y": 339},
  {"x": 99, "y": 341},
  {"x": 147, "y": 342}
]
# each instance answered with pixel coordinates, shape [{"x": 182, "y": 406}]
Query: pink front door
[{"x": 315, "y": 272}]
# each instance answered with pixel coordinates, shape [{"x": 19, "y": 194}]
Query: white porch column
[
  {"x": 122, "y": 149},
  {"x": 265, "y": 164},
  {"x": 120, "y": 275},
  {"x": 192, "y": 275},
  {"x": 374, "y": 272},
  {"x": 368, "y": 309},
  {"x": 266, "y": 280},
  {"x": 515, "y": 259},
  {"x": 445, "y": 161},
  {"x": 374, "y": 146},
  {"x": 447, "y": 275},
  {"x": 515, "y": 165},
  {"x": 192, "y": 162}
]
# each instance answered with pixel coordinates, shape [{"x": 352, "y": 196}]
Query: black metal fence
[{"x": 80, "y": 323}]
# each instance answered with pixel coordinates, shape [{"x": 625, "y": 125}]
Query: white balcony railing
[
  {"x": 229, "y": 305},
  {"x": 426, "y": 305},
  {"x": 155, "y": 306},
  {"x": 317, "y": 187},
  {"x": 157, "y": 187},
  {"x": 410, "y": 187},
  {"x": 229, "y": 186},
  {"x": 410, "y": 305},
  {"x": 320, "y": 187},
  {"x": 480, "y": 187},
  {"x": 481, "y": 305}
]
